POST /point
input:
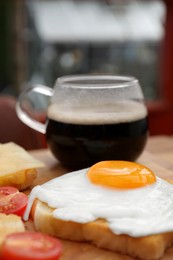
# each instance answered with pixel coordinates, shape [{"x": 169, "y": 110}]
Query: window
[
  {"x": 57, "y": 37},
  {"x": 74, "y": 37}
]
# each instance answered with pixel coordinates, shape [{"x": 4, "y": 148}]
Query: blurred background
[{"x": 41, "y": 40}]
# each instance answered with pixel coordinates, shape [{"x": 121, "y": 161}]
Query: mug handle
[{"x": 25, "y": 117}]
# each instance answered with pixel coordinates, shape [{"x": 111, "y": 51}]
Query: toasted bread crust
[{"x": 99, "y": 234}]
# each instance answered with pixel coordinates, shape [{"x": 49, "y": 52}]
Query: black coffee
[{"x": 78, "y": 145}]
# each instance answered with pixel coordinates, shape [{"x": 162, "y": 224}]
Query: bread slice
[
  {"x": 99, "y": 234},
  {"x": 17, "y": 167},
  {"x": 10, "y": 224}
]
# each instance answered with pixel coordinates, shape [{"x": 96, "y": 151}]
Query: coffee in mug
[{"x": 92, "y": 118}]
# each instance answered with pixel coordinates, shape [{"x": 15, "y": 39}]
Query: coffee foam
[{"x": 124, "y": 111}]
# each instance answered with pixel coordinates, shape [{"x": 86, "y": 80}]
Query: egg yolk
[{"x": 120, "y": 174}]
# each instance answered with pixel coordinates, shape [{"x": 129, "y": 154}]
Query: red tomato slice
[
  {"x": 12, "y": 201},
  {"x": 30, "y": 246}
]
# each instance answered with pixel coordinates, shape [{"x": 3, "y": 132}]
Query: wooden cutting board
[{"x": 158, "y": 156}]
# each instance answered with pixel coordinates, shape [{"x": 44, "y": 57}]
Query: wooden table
[{"x": 158, "y": 156}]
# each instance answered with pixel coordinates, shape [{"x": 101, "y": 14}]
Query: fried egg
[{"x": 127, "y": 195}]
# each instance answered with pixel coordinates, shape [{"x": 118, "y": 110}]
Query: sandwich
[
  {"x": 116, "y": 205},
  {"x": 17, "y": 167}
]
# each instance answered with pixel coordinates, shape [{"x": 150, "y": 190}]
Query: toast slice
[
  {"x": 17, "y": 167},
  {"x": 10, "y": 224},
  {"x": 99, "y": 234}
]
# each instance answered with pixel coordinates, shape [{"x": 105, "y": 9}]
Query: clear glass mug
[{"x": 91, "y": 118}]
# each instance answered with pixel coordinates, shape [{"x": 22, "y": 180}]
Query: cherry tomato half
[
  {"x": 30, "y": 246},
  {"x": 12, "y": 201}
]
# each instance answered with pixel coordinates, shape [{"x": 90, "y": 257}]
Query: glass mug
[{"x": 92, "y": 118}]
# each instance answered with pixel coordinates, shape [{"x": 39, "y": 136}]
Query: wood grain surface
[{"x": 158, "y": 156}]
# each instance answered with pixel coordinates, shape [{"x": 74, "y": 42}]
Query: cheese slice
[
  {"x": 10, "y": 224},
  {"x": 17, "y": 167},
  {"x": 14, "y": 158}
]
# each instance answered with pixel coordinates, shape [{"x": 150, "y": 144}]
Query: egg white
[{"x": 136, "y": 212}]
